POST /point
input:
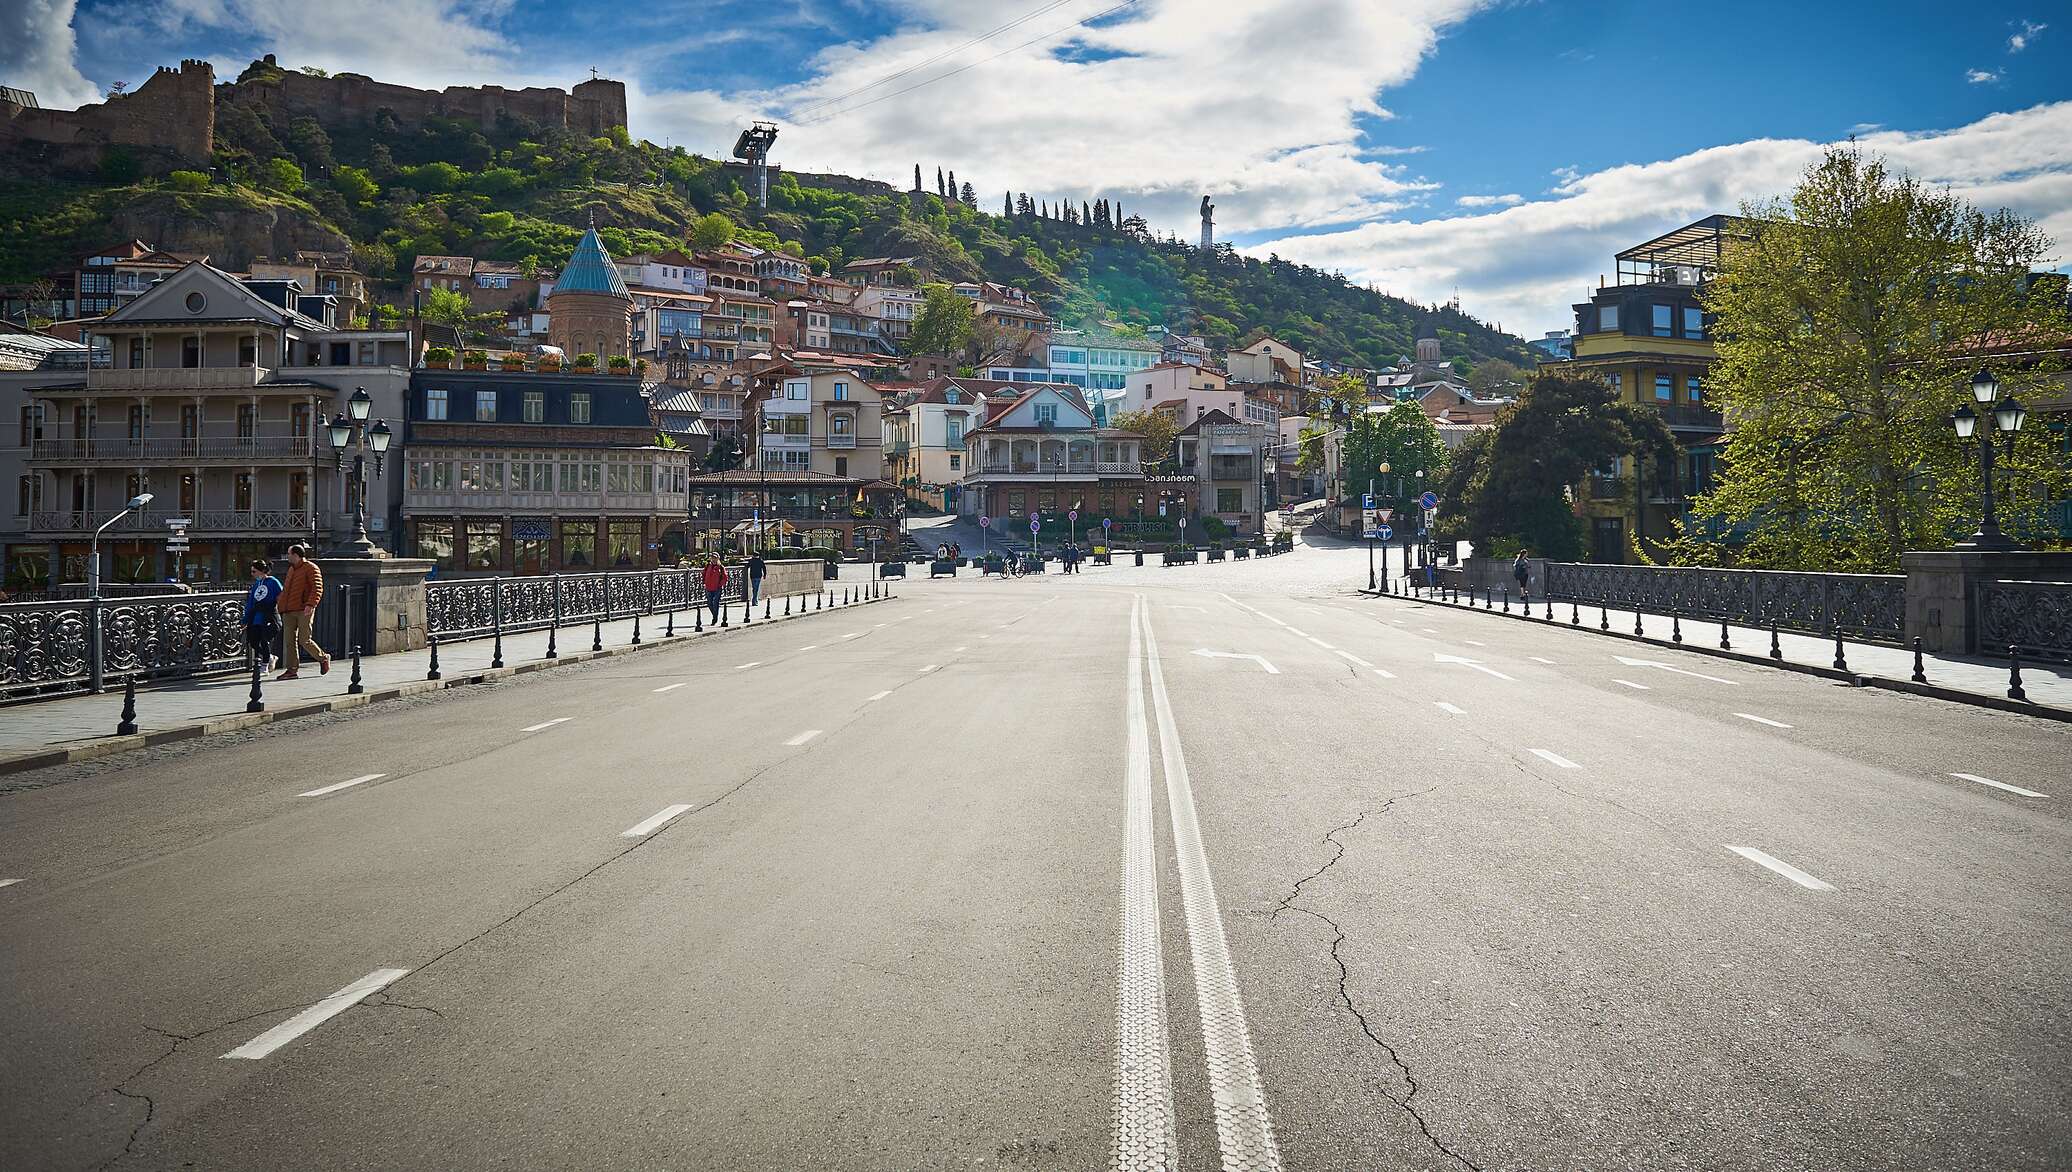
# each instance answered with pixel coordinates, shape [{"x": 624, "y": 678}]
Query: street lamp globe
[
  {"x": 341, "y": 431},
  {"x": 2008, "y": 416},
  {"x": 1984, "y": 387},
  {"x": 139, "y": 501},
  {"x": 361, "y": 404},
  {"x": 379, "y": 435}
]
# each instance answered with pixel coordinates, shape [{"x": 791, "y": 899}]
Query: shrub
[
  {"x": 438, "y": 354},
  {"x": 474, "y": 356},
  {"x": 188, "y": 181},
  {"x": 619, "y": 362},
  {"x": 586, "y": 362}
]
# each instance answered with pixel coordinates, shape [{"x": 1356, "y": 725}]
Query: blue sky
[{"x": 1501, "y": 149}]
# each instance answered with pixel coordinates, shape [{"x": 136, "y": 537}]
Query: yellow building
[{"x": 1649, "y": 336}]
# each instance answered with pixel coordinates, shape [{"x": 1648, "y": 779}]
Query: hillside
[{"x": 452, "y": 187}]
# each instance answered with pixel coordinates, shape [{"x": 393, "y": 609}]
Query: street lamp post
[
  {"x": 93, "y": 591},
  {"x": 2007, "y": 418},
  {"x": 354, "y": 431}
]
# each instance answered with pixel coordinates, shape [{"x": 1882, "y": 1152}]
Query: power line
[
  {"x": 973, "y": 65},
  {"x": 1023, "y": 19}
]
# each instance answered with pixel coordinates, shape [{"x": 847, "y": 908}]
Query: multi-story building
[
  {"x": 832, "y": 328},
  {"x": 753, "y": 318},
  {"x": 1268, "y": 360},
  {"x": 455, "y": 274},
  {"x": 328, "y": 274},
  {"x": 671, "y": 270},
  {"x": 819, "y": 420},
  {"x": 781, "y": 276},
  {"x": 881, "y": 272},
  {"x": 533, "y": 473},
  {"x": 498, "y": 286},
  {"x": 1098, "y": 361},
  {"x": 1228, "y": 461},
  {"x": 1042, "y": 452},
  {"x": 1650, "y": 337},
  {"x": 924, "y": 435},
  {"x": 751, "y": 508},
  {"x": 1557, "y": 344},
  {"x": 210, "y": 393},
  {"x": 895, "y": 309}
]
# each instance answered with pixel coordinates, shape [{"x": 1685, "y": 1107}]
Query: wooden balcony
[
  {"x": 178, "y": 378},
  {"x": 207, "y": 522},
  {"x": 174, "y": 450}
]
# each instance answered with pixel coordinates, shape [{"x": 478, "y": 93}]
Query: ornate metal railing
[
  {"x": 476, "y": 608},
  {"x": 1863, "y": 606},
  {"x": 2033, "y": 616},
  {"x": 45, "y": 647}
]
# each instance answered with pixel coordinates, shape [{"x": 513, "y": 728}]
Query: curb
[
  {"x": 32, "y": 759},
  {"x": 1857, "y": 679}
]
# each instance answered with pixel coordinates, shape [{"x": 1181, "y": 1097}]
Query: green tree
[
  {"x": 188, "y": 181},
  {"x": 1495, "y": 378},
  {"x": 280, "y": 175},
  {"x": 724, "y": 455},
  {"x": 711, "y": 231},
  {"x": 1404, "y": 438},
  {"x": 356, "y": 185},
  {"x": 1158, "y": 430},
  {"x": 1849, "y": 319},
  {"x": 1513, "y": 488},
  {"x": 944, "y": 325},
  {"x": 450, "y": 307}
]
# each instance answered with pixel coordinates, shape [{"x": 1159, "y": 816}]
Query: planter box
[
  {"x": 892, "y": 570},
  {"x": 1215, "y": 555},
  {"x": 943, "y": 566}
]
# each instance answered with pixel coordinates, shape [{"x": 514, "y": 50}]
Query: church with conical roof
[{"x": 590, "y": 310}]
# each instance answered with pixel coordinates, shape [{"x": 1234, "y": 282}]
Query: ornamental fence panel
[
  {"x": 1871, "y": 607},
  {"x": 46, "y": 647},
  {"x": 2035, "y": 617},
  {"x": 476, "y": 608}
]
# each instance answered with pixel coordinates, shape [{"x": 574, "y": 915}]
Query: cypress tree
[
  {"x": 1007, "y": 209},
  {"x": 917, "y": 176}
]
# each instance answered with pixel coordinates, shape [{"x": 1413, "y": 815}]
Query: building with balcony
[
  {"x": 209, "y": 393},
  {"x": 672, "y": 271},
  {"x": 732, "y": 512},
  {"x": 1041, "y": 451},
  {"x": 1228, "y": 460},
  {"x": 1092, "y": 358},
  {"x": 1649, "y": 336},
  {"x": 881, "y": 272},
  {"x": 895, "y": 309},
  {"x": 326, "y": 274},
  {"x": 924, "y": 435},
  {"x": 753, "y": 318},
  {"x": 815, "y": 419},
  {"x": 529, "y": 473},
  {"x": 781, "y": 276},
  {"x": 832, "y": 328}
]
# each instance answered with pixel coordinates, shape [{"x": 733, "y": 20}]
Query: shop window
[
  {"x": 435, "y": 541},
  {"x": 626, "y": 538},
  {"x": 578, "y": 542}
]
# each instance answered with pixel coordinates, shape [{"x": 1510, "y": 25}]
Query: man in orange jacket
[{"x": 298, "y": 610}]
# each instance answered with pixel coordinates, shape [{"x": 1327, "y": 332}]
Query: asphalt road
[{"x": 1227, "y": 863}]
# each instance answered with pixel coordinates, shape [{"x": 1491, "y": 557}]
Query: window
[
  {"x": 590, "y": 477},
  {"x": 32, "y": 424},
  {"x": 241, "y": 492},
  {"x": 579, "y": 407},
  {"x": 485, "y": 543},
  {"x": 951, "y": 396},
  {"x": 535, "y": 406},
  {"x": 1617, "y": 384},
  {"x": 839, "y": 424},
  {"x": 485, "y": 406},
  {"x": 27, "y": 496},
  {"x": 618, "y": 479},
  {"x": 841, "y": 465},
  {"x": 1230, "y": 500},
  {"x": 1694, "y": 322},
  {"x": 796, "y": 391},
  {"x": 841, "y": 392},
  {"x": 626, "y": 541},
  {"x": 430, "y": 476},
  {"x": 1695, "y": 389},
  {"x": 1665, "y": 389},
  {"x": 248, "y": 352},
  {"x": 955, "y": 435},
  {"x": 1607, "y": 318},
  {"x": 136, "y": 353},
  {"x": 1046, "y": 413},
  {"x": 1015, "y": 502},
  {"x": 435, "y": 541},
  {"x": 793, "y": 425},
  {"x": 435, "y": 403},
  {"x": 247, "y": 421},
  {"x": 1662, "y": 321},
  {"x": 956, "y": 461},
  {"x": 578, "y": 542}
]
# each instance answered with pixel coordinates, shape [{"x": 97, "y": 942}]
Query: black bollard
[
  {"x": 353, "y": 687},
  {"x": 1725, "y": 644},
  {"x": 1776, "y": 648},
  {"x": 1604, "y": 619},
  {"x": 1550, "y": 608},
  {"x": 255, "y": 704},
  {"x": 787, "y": 606},
  {"x": 432, "y": 670},
  {"x": 127, "y": 726},
  {"x": 636, "y": 630},
  {"x": 724, "y": 614},
  {"x": 496, "y": 650},
  {"x": 1636, "y": 623},
  {"x": 669, "y": 626},
  {"x": 1841, "y": 662},
  {"x": 1920, "y": 672},
  {"x": 552, "y": 653},
  {"x": 820, "y": 599},
  {"x": 766, "y": 608},
  {"x": 698, "y": 620},
  {"x": 1507, "y": 600},
  {"x": 1676, "y": 626},
  {"x": 1488, "y": 599},
  {"x": 597, "y": 635},
  {"x": 1575, "y": 613},
  {"x": 2014, "y": 674}
]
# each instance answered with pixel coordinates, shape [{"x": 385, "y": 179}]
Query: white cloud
[
  {"x": 424, "y": 43},
  {"x": 1981, "y": 76},
  {"x": 39, "y": 53},
  {"x": 2027, "y": 33},
  {"x": 1490, "y": 201},
  {"x": 1525, "y": 265}
]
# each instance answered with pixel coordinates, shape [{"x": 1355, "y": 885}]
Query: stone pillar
[
  {"x": 1941, "y": 591},
  {"x": 387, "y": 600}
]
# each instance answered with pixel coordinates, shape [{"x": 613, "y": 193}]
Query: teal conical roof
[{"x": 590, "y": 270}]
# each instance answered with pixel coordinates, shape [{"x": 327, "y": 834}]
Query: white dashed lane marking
[
  {"x": 1350, "y": 657},
  {"x": 749, "y": 664},
  {"x": 317, "y": 1014},
  {"x": 1781, "y": 867},
  {"x": 673, "y": 687},
  {"x": 9, "y": 882},
  {"x": 1445, "y": 707},
  {"x": 803, "y": 737},
  {"x": 879, "y": 696},
  {"x": 2013, "y": 789},
  {"x": 1631, "y": 684},
  {"x": 546, "y": 724},
  {"x": 1555, "y": 759},
  {"x": 643, "y": 829},
  {"x": 334, "y": 787},
  {"x": 1762, "y": 720}
]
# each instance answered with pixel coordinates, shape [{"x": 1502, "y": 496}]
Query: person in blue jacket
[{"x": 261, "y": 618}]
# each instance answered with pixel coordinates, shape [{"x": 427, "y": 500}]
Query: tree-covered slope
[{"x": 449, "y": 188}]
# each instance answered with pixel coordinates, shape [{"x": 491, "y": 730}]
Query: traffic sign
[
  {"x": 1383, "y": 533},
  {"x": 1035, "y": 523},
  {"x": 984, "y": 521},
  {"x": 1366, "y": 500},
  {"x": 1071, "y": 514},
  {"x": 1106, "y": 522},
  {"x": 1429, "y": 500},
  {"x": 1387, "y": 514},
  {"x": 178, "y": 522}
]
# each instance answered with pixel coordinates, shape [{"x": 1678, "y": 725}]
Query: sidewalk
[
  {"x": 73, "y": 721},
  {"x": 2045, "y": 683}
]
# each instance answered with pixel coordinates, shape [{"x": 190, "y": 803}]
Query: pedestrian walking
[
  {"x": 757, "y": 567},
  {"x": 715, "y": 581},
  {"x": 262, "y": 613},
  {"x": 299, "y": 598},
  {"x": 1521, "y": 569}
]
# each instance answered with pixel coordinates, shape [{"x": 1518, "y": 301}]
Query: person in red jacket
[{"x": 715, "y": 583}]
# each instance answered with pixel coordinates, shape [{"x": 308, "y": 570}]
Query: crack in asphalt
[
  {"x": 388, "y": 1002},
  {"x": 1345, "y": 998},
  {"x": 121, "y": 1086}
]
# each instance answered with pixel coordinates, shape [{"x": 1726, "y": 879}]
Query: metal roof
[{"x": 590, "y": 270}]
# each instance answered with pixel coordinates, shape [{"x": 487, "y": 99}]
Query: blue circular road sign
[
  {"x": 1429, "y": 500},
  {"x": 1384, "y": 533}
]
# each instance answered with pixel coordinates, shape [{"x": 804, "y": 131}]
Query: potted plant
[
  {"x": 474, "y": 360},
  {"x": 550, "y": 363},
  {"x": 511, "y": 361},
  {"x": 586, "y": 362},
  {"x": 438, "y": 358},
  {"x": 619, "y": 364}
]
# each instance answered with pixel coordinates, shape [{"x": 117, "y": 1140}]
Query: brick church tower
[{"x": 590, "y": 311}]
